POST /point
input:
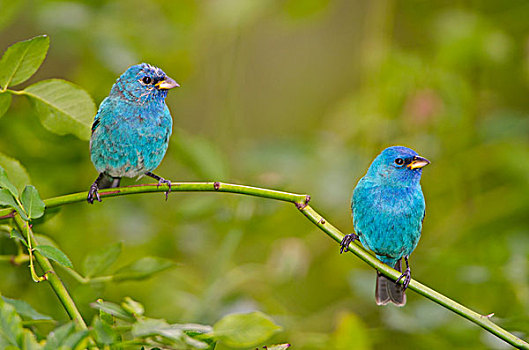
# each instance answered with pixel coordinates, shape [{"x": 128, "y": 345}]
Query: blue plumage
[
  {"x": 131, "y": 130},
  {"x": 388, "y": 209}
]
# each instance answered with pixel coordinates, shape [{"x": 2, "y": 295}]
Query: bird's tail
[
  {"x": 106, "y": 181},
  {"x": 388, "y": 291}
]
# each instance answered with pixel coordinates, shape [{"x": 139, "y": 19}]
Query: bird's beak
[
  {"x": 418, "y": 162},
  {"x": 166, "y": 84}
]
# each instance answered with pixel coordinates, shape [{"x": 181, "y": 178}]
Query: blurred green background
[{"x": 299, "y": 96}]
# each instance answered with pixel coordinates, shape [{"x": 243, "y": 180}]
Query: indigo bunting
[
  {"x": 388, "y": 210},
  {"x": 131, "y": 129}
]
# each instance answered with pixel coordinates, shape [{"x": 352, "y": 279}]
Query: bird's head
[
  {"x": 397, "y": 166},
  {"x": 143, "y": 83}
]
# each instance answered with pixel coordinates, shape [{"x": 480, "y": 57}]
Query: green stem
[
  {"x": 301, "y": 202},
  {"x": 55, "y": 282}
]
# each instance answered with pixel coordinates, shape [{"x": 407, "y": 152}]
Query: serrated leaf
[
  {"x": 6, "y": 184},
  {"x": 244, "y": 330},
  {"x": 100, "y": 260},
  {"x": 54, "y": 254},
  {"x": 63, "y": 108},
  {"x": 10, "y": 326},
  {"x": 33, "y": 205},
  {"x": 24, "y": 309},
  {"x": 17, "y": 173},
  {"x": 21, "y": 60},
  {"x": 5, "y": 102},
  {"x": 143, "y": 268},
  {"x": 112, "y": 309}
]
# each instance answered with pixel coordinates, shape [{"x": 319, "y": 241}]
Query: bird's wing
[{"x": 103, "y": 108}]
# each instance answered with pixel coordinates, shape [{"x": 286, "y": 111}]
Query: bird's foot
[
  {"x": 93, "y": 193},
  {"x": 407, "y": 278},
  {"x": 348, "y": 239},
  {"x": 161, "y": 181},
  {"x": 164, "y": 181}
]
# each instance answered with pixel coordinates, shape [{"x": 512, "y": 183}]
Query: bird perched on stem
[
  {"x": 388, "y": 211},
  {"x": 131, "y": 129}
]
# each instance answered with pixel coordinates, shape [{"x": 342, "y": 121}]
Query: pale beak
[
  {"x": 418, "y": 162},
  {"x": 166, "y": 84}
]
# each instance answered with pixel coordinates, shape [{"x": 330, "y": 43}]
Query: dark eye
[
  {"x": 146, "y": 80},
  {"x": 399, "y": 161}
]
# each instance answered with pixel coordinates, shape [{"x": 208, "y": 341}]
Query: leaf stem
[{"x": 301, "y": 203}]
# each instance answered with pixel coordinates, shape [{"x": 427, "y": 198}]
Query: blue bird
[
  {"x": 131, "y": 129},
  {"x": 388, "y": 210}
]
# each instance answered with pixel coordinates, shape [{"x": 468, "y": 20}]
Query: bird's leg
[
  {"x": 348, "y": 239},
  {"x": 161, "y": 180},
  {"x": 93, "y": 192},
  {"x": 406, "y": 275}
]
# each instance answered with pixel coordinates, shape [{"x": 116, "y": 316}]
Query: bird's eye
[
  {"x": 146, "y": 80},
  {"x": 399, "y": 161}
]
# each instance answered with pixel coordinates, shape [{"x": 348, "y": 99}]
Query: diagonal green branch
[{"x": 301, "y": 202}]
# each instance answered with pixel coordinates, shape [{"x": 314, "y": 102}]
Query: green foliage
[
  {"x": 33, "y": 205},
  {"x": 18, "y": 175},
  {"x": 21, "y": 60},
  {"x": 143, "y": 268},
  {"x": 244, "y": 330},
  {"x": 5, "y": 102},
  {"x": 278, "y": 104},
  {"x": 99, "y": 261},
  {"x": 62, "y": 107},
  {"x": 54, "y": 254}
]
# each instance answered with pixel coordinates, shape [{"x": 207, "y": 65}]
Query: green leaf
[
  {"x": 10, "y": 326},
  {"x": 15, "y": 234},
  {"x": 100, "y": 260},
  {"x": 59, "y": 335},
  {"x": 63, "y": 108},
  {"x": 21, "y": 60},
  {"x": 33, "y": 205},
  {"x": 5, "y": 102},
  {"x": 17, "y": 173},
  {"x": 54, "y": 254},
  {"x": 103, "y": 332},
  {"x": 6, "y": 199},
  {"x": 149, "y": 327},
  {"x": 5, "y": 183},
  {"x": 244, "y": 330},
  {"x": 132, "y": 306},
  {"x": 112, "y": 309},
  {"x": 29, "y": 341},
  {"x": 143, "y": 268},
  {"x": 24, "y": 309}
]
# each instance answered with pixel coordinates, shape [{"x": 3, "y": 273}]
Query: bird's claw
[
  {"x": 93, "y": 193},
  {"x": 164, "y": 181},
  {"x": 348, "y": 239},
  {"x": 407, "y": 278}
]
